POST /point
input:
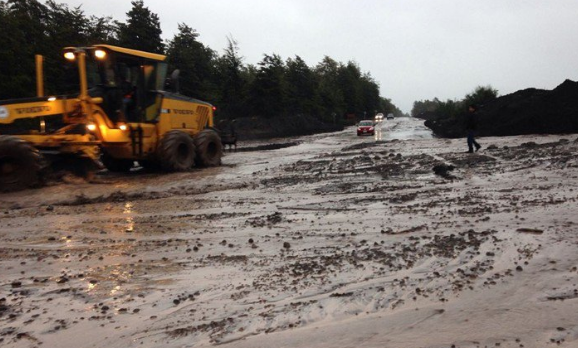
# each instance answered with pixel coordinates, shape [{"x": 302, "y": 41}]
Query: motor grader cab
[{"x": 120, "y": 115}]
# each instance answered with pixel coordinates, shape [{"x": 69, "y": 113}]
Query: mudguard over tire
[
  {"x": 176, "y": 152},
  {"x": 21, "y": 164},
  {"x": 116, "y": 165},
  {"x": 209, "y": 148}
]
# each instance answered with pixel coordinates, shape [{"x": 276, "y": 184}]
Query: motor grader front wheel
[
  {"x": 176, "y": 152},
  {"x": 209, "y": 148},
  {"x": 21, "y": 164}
]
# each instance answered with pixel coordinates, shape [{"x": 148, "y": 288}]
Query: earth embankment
[{"x": 528, "y": 111}]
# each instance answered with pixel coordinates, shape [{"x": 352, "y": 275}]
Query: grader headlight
[
  {"x": 69, "y": 56},
  {"x": 100, "y": 54},
  {"x": 91, "y": 127}
]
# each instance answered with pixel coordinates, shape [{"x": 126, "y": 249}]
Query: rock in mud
[
  {"x": 444, "y": 170},
  {"x": 530, "y": 230}
]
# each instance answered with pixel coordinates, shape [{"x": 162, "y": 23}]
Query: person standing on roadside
[{"x": 471, "y": 126}]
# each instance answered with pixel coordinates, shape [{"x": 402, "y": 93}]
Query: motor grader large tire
[
  {"x": 209, "y": 148},
  {"x": 116, "y": 165},
  {"x": 21, "y": 164},
  {"x": 176, "y": 152}
]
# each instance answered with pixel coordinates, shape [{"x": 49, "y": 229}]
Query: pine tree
[
  {"x": 302, "y": 88},
  {"x": 233, "y": 84},
  {"x": 195, "y": 61},
  {"x": 142, "y": 30},
  {"x": 103, "y": 30},
  {"x": 269, "y": 90},
  {"x": 332, "y": 101},
  {"x": 22, "y": 34},
  {"x": 349, "y": 77}
]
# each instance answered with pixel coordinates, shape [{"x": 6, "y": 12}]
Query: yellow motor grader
[{"x": 121, "y": 114}]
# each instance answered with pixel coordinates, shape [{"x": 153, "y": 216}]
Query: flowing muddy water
[{"x": 334, "y": 241}]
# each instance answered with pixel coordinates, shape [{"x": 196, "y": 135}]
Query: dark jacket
[{"x": 471, "y": 122}]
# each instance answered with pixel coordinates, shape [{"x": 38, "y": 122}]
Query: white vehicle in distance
[{"x": 390, "y": 116}]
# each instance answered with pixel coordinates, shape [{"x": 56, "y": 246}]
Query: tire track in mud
[{"x": 121, "y": 197}]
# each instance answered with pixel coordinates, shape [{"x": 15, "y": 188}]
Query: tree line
[
  {"x": 274, "y": 87},
  {"x": 452, "y": 108}
]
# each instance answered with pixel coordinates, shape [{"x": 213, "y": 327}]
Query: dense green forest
[{"x": 275, "y": 87}]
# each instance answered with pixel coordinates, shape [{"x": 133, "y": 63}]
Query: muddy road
[{"x": 333, "y": 240}]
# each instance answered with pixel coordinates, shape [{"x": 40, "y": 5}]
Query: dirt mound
[
  {"x": 268, "y": 147},
  {"x": 529, "y": 111},
  {"x": 115, "y": 197},
  {"x": 251, "y": 128}
]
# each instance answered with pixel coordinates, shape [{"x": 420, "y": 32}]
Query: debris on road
[{"x": 336, "y": 241}]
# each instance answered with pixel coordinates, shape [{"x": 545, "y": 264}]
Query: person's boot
[{"x": 478, "y": 147}]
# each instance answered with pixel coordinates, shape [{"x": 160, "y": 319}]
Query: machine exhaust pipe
[
  {"x": 39, "y": 60},
  {"x": 175, "y": 81}
]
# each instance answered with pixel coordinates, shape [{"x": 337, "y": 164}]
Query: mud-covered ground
[{"x": 335, "y": 241}]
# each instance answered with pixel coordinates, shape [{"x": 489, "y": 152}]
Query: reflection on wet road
[{"x": 402, "y": 128}]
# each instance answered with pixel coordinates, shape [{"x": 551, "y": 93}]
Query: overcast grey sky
[{"x": 414, "y": 49}]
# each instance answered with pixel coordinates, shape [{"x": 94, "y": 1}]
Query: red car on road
[{"x": 365, "y": 127}]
